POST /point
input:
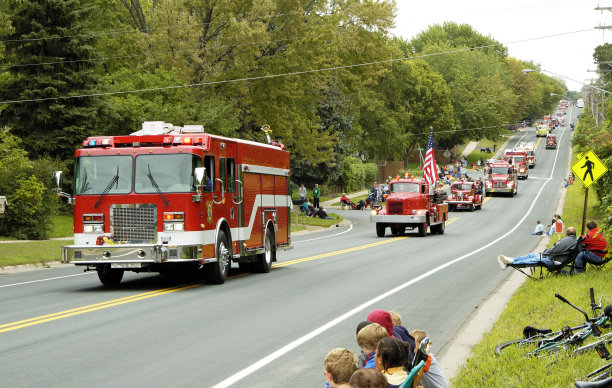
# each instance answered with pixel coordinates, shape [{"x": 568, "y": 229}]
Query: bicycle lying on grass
[{"x": 539, "y": 343}]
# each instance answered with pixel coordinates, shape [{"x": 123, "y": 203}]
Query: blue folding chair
[{"x": 412, "y": 375}]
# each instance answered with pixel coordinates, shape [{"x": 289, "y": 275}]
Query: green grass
[
  {"x": 310, "y": 221},
  {"x": 61, "y": 226},
  {"x": 477, "y": 154},
  {"x": 31, "y": 252},
  {"x": 535, "y": 304}
]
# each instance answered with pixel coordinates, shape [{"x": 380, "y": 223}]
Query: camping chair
[
  {"x": 555, "y": 269},
  {"x": 600, "y": 266},
  {"x": 415, "y": 373}
]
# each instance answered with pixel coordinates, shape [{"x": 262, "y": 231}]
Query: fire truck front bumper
[
  {"x": 132, "y": 254},
  {"x": 499, "y": 190},
  {"x": 398, "y": 219},
  {"x": 459, "y": 203}
]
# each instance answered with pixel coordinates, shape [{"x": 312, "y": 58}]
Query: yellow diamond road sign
[{"x": 589, "y": 169}]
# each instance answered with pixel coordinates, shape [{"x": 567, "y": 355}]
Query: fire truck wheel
[
  {"x": 380, "y": 229},
  {"x": 264, "y": 260},
  {"x": 423, "y": 229},
  {"x": 216, "y": 273},
  {"x": 440, "y": 228},
  {"x": 109, "y": 276}
]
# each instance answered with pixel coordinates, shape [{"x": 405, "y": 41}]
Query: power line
[{"x": 295, "y": 73}]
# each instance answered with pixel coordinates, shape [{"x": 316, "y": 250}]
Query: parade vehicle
[
  {"x": 529, "y": 149},
  {"x": 465, "y": 194},
  {"x": 500, "y": 177},
  {"x": 167, "y": 198},
  {"x": 519, "y": 160},
  {"x": 541, "y": 130},
  {"x": 551, "y": 141},
  {"x": 412, "y": 203}
]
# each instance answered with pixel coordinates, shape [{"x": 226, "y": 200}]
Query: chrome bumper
[
  {"x": 133, "y": 253},
  {"x": 500, "y": 190},
  {"x": 400, "y": 218},
  {"x": 459, "y": 202}
]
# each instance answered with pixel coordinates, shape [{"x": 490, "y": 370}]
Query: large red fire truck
[
  {"x": 167, "y": 197},
  {"x": 412, "y": 203},
  {"x": 500, "y": 177},
  {"x": 519, "y": 159}
]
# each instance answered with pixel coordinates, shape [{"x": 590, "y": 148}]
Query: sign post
[{"x": 588, "y": 169}]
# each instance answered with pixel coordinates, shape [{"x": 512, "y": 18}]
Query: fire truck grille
[
  {"x": 396, "y": 207},
  {"x": 134, "y": 223}
]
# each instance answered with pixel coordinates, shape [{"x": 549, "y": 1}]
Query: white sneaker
[{"x": 501, "y": 263}]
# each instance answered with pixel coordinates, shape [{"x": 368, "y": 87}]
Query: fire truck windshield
[
  {"x": 173, "y": 173},
  {"x": 499, "y": 170},
  {"x": 462, "y": 186},
  {"x": 93, "y": 174},
  {"x": 405, "y": 187}
]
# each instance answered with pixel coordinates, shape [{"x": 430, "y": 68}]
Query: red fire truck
[
  {"x": 167, "y": 197},
  {"x": 412, "y": 203},
  {"x": 500, "y": 177},
  {"x": 519, "y": 160},
  {"x": 466, "y": 194}
]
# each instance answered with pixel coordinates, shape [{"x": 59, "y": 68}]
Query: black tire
[
  {"x": 441, "y": 227},
  {"x": 527, "y": 344},
  {"x": 422, "y": 229},
  {"x": 380, "y": 229},
  {"x": 216, "y": 273},
  {"x": 265, "y": 259},
  {"x": 109, "y": 276},
  {"x": 472, "y": 207},
  {"x": 246, "y": 267}
]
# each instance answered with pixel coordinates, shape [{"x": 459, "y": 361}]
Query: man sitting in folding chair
[
  {"x": 554, "y": 258},
  {"x": 594, "y": 248}
]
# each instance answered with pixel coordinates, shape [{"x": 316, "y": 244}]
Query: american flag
[{"x": 430, "y": 171}]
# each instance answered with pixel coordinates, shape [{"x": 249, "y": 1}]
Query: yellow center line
[
  {"x": 486, "y": 199},
  {"x": 537, "y": 143},
  {"x": 150, "y": 294}
]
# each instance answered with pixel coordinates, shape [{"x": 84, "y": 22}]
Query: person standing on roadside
[
  {"x": 316, "y": 192},
  {"x": 302, "y": 193}
]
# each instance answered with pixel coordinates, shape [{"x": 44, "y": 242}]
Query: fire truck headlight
[
  {"x": 174, "y": 226},
  {"x": 93, "y": 228},
  {"x": 374, "y": 212}
]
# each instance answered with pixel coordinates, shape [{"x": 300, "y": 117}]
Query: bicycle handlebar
[{"x": 577, "y": 308}]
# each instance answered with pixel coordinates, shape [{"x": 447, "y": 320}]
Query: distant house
[{"x": 3, "y": 203}]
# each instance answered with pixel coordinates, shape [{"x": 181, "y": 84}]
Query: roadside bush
[
  {"x": 30, "y": 203},
  {"x": 356, "y": 175}
]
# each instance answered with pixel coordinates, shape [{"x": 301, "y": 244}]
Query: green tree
[
  {"x": 31, "y": 204},
  {"x": 44, "y": 55}
]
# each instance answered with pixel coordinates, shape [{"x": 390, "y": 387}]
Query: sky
[{"x": 568, "y": 56}]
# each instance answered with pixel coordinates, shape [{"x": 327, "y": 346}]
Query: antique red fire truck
[
  {"x": 465, "y": 194},
  {"x": 519, "y": 160},
  {"x": 500, "y": 177},
  {"x": 551, "y": 141},
  {"x": 411, "y": 203},
  {"x": 167, "y": 197}
]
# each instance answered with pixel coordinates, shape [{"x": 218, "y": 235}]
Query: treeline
[
  {"x": 594, "y": 132},
  {"x": 327, "y": 76}
]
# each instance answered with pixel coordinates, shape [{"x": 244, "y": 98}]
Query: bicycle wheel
[
  {"x": 602, "y": 373},
  {"x": 523, "y": 343}
]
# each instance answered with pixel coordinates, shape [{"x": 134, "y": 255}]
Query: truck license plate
[{"x": 126, "y": 265}]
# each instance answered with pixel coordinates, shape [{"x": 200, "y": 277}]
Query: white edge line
[
  {"x": 319, "y": 238},
  {"x": 44, "y": 280},
  {"x": 292, "y": 345}
]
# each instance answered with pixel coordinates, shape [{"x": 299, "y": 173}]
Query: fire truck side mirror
[
  {"x": 58, "y": 178},
  {"x": 198, "y": 173}
]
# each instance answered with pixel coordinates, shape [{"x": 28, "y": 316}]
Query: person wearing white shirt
[{"x": 539, "y": 229}]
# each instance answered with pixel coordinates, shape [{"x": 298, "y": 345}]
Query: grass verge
[
  {"x": 31, "y": 252},
  {"x": 535, "y": 304}
]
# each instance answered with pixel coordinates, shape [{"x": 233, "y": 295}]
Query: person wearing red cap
[{"x": 383, "y": 318}]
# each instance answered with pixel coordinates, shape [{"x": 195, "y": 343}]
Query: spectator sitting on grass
[{"x": 321, "y": 213}]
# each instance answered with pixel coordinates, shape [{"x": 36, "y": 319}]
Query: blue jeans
[
  {"x": 588, "y": 257},
  {"x": 532, "y": 258}
]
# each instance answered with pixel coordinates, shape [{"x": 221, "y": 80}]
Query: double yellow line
[
  {"x": 146, "y": 295},
  {"x": 92, "y": 307}
]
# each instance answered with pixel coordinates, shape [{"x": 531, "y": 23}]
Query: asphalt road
[{"x": 59, "y": 327}]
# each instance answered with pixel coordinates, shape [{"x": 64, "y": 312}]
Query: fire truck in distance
[
  {"x": 529, "y": 149},
  {"x": 551, "y": 141},
  {"x": 519, "y": 160},
  {"x": 169, "y": 197},
  {"x": 411, "y": 203},
  {"x": 465, "y": 194},
  {"x": 500, "y": 177}
]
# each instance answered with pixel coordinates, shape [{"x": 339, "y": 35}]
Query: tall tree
[{"x": 44, "y": 55}]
